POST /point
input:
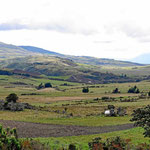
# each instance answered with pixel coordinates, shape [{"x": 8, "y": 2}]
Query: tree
[
  {"x": 137, "y": 91},
  {"x": 85, "y": 90},
  {"x": 134, "y": 90},
  {"x": 40, "y": 86},
  {"x": 47, "y": 85},
  {"x": 12, "y": 98},
  {"x": 141, "y": 117},
  {"x": 116, "y": 90}
]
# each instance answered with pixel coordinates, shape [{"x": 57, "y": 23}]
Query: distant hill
[
  {"x": 12, "y": 51},
  {"x": 40, "y": 50},
  {"x": 102, "y": 61},
  {"x": 9, "y": 51},
  {"x": 144, "y": 59},
  {"x": 84, "y": 59}
]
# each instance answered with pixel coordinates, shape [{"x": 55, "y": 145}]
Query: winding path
[{"x": 27, "y": 129}]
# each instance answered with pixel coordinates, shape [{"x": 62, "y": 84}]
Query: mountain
[
  {"x": 9, "y": 51},
  {"x": 12, "y": 51},
  {"x": 40, "y": 50},
  {"x": 102, "y": 61},
  {"x": 84, "y": 59},
  {"x": 144, "y": 59}
]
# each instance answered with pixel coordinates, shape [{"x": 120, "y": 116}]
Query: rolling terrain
[
  {"x": 58, "y": 67},
  {"x": 64, "y": 109},
  {"x": 34, "y": 61},
  {"x": 84, "y": 59},
  {"x": 8, "y": 51}
]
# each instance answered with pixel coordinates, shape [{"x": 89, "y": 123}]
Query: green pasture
[{"x": 135, "y": 135}]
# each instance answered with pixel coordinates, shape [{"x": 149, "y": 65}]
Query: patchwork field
[{"x": 65, "y": 105}]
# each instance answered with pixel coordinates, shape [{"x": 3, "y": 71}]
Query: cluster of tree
[
  {"x": 133, "y": 90},
  {"x": 46, "y": 85},
  {"x": 85, "y": 90}
]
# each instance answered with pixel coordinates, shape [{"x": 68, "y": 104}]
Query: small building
[{"x": 110, "y": 112}]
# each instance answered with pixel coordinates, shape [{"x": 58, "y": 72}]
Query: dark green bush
[
  {"x": 85, "y": 90},
  {"x": 133, "y": 90},
  {"x": 141, "y": 117},
  {"x": 116, "y": 90},
  {"x": 48, "y": 85},
  {"x": 12, "y": 98},
  {"x": 40, "y": 86}
]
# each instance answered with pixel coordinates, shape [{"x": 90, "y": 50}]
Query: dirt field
[{"x": 47, "y": 130}]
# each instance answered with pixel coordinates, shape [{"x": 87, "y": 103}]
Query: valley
[{"x": 53, "y": 85}]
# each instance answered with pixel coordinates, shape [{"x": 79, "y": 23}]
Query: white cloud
[{"x": 102, "y": 28}]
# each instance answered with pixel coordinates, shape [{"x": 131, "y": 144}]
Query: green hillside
[
  {"x": 56, "y": 66},
  {"x": 84, "y": 59},
  {"x": 8, "y": 51},
  {"x": 102, "y": 61},
  {"x": 36, "y": 61}
]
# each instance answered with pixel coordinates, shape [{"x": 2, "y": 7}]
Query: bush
[
  {"x": 134, "y": 90},
  {"x": 85, "y": 90},
  {"x": 40, "y": 86},
  {"x": 116, "y": 90},
  {"x": 141, "y": 118},
  {"x": 48, "y": 85},
  {"x": 9, "y": 139},
  {"x": 12, "y": 98},
  {"x": 115, "y": 143}
]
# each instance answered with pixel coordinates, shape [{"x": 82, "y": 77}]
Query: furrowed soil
[{"x": 32, "y": 130}]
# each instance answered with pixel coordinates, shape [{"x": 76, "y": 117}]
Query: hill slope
[
  {"x": 12, "y": 51},
  {"x": 84, "y": 59},
  {"x": 56, "y": 66},
  {"x": 40, "y": 50}
]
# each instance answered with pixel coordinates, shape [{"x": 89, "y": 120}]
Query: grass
[
  {"x": 54, "y": 118},
  {"x": 135, "y": 134},
  {"x": 86, "y": 111}
]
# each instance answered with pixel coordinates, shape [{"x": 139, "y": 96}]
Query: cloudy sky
[{"x": 117, "y": 29}]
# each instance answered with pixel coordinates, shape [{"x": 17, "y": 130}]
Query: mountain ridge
[
  {"x": 85, "y": 59},
  {"x": 9, "y": 51}
]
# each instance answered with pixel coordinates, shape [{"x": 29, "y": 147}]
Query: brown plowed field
[{"x": 27, "y": 129}]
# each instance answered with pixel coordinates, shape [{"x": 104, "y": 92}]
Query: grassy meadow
[{"x": 86, "y": 108}]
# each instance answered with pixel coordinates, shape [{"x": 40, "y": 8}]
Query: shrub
[
  {"x": 85, "y": 90},
  {"x": 29, "y": 144},
  {"x": 115, "y": 143},
  {"x": 48, "y": 85},
  {"x": 134, "y": 90},
  {"x": 141, "y": 118},
  {"x": 9, "y": 139},
  {"x": 12, "y": 98},
  {"x": 40, "y": 86},
  {"x": 116, "y": 90}
]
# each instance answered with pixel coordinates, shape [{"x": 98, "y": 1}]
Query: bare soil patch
[{"x": 26, "y": 129}]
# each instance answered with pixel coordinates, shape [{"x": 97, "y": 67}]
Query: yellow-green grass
[
  {"x": 135, "y": 134},
  {"x": 54, "y": 118}
]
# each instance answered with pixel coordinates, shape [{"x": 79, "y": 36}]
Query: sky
[{"x": 118, "y": 29}]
